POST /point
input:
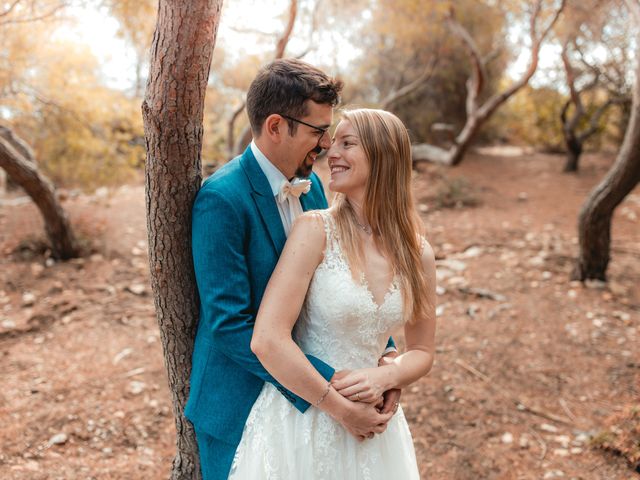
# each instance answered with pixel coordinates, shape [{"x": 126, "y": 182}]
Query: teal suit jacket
[{"x": 237, "y": 237}]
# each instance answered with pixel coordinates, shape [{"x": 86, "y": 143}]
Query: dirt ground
[{"x": 529, "y": 366}]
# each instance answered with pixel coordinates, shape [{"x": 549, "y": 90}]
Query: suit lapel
[{"x": 265, "y": 201}]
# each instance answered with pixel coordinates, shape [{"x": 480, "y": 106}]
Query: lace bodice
[{"x": 340, "y": 319}]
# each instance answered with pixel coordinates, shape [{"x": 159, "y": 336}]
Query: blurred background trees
[
  {"x": 553, "y": 75},
  {"x": 402, "y": 55}
]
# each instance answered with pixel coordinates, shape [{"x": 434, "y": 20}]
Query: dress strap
[{"x": 332, "y": 247}]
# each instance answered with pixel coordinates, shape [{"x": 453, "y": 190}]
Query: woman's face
[{"x": 347, "y": 162}]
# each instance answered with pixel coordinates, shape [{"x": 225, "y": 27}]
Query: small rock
[
  {"x": 595, "y": 284},
  {"x": 96, "y": 257},
  {"x": 507, "y": 438},
  {"x": 440, "y": 310},
  {"x": 58, "y": 439},
  {"x": 440, "y": 290},
  {"x": 455, "y": 265},
  {"x": 553, "y": 474},
  {"x": 545, "y": 427},
  {"x": 122, "y": 354},
  {"x": 8, "y": 324},
  {"x": 562, "y": 440},
  {"x": 546, "y": 275},
  {"x": 472, "y": 310},
  {"x": 576, "y": 451},
  {"x": 136, "y": 388},
  {"x": 49, "y": 262},
  {"x": 524, "y": 441},
  {"x": 36, "y": 269},
  {"x": 523, "y": 196},
  {"x": 572, "y": 294},
  {"x": 137, "y": 289},
  {"x": 472, "y": 252},
  {"x": 624, "y": 316},
  {"x": 423, "y": 208},
  {"x": 28, "y": 299},
  {"x": 135, "y": 251},
  {"x": 561, "y": 452},
  {"x": 597, "y": 322}
]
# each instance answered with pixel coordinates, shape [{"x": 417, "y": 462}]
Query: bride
[{"x": 347, "y": 277}]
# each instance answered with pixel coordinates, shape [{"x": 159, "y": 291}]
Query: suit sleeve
[{"x": 218, "y": 244}]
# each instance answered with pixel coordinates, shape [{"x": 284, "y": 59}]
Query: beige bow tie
[{"x": 295, "y": 188}]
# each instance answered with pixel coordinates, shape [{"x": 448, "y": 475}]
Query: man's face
[{"x": 304, "y": 146}]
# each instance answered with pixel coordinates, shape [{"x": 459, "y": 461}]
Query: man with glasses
[{"x": 240, "y": 220}]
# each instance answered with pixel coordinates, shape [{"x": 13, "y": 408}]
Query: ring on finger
[{"x": 358, "y": 397}]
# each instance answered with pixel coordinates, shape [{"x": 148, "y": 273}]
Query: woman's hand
[{"x": 362, "y": 385}]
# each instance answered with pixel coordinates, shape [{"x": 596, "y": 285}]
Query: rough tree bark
[
  {"x": 172, "y": 110},
  {"x": 478, "y": 114},
  {"x": 17, "y": 159},
  {"x": 594, "y": 221},
  {"x": 237, "y": 147}
]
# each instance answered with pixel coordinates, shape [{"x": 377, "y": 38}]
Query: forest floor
[{"x": 531, "y": 369}]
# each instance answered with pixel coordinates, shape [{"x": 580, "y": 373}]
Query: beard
[{"x": 306, "y": 167}]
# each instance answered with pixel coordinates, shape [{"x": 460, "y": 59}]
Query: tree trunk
[
  {"x": 244, "y": 139},
  {"x": 594, "y": 222},
  {"x": 172, "y": 110},
  {"x": 17, "y": 160},
  {"x": 574, "y": 150}
]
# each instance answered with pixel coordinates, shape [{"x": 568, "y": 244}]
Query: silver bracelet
[{"x": 324, "y": 395}]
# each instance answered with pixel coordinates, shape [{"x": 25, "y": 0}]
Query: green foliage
[
  {"x": 531, "y": 117},
  {"x": 83, "y": 133}
]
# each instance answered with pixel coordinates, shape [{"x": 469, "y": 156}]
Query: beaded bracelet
[{"x": 324, "y": 395}]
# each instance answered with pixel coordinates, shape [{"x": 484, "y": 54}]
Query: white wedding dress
[{"x": 340, "y": 323}]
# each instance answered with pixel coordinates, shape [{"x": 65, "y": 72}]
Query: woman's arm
[
  {"x": 368, "y": 383},
  {"x": 273, "y": 344}
]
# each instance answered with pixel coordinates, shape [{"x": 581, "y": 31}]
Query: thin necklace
[{"x": 365, "y": 228}]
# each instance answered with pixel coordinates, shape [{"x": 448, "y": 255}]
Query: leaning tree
[
  {"x": 594, "y": 221},
  {"x": 17, "y": 159},
  {"x": 172, "y": 111},
  {"x": 478, "y": 112}
]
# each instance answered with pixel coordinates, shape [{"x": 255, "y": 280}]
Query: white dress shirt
[{"x": 276, "y": 179}]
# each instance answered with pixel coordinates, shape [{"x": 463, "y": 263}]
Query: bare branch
[
  {"x": 421, "y": 80},
  {"x": 312, "y": 31},
  {"x": 44, "y": 16},
  {"x": 573, "y": 92},
  {"x": 476, "y": 81},
  {"x": 10, "y": 8},
  {"x": 595, "y": 120},
  {"x": 231, "y": 129},
  {"x": 284, "y": 39}
]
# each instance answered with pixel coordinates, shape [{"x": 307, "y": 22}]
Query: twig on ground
[
  {"x": 567, "y": 410},
  {"x": 519, "y": 403},
  {"x": 543, "y": 445}
]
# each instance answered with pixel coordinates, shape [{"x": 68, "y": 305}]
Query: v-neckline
[{"x": 364, "y": 284}]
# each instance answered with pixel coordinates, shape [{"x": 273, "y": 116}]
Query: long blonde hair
[{"x": 388, "y": 205}]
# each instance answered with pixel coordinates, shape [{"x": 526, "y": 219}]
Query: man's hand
[{"x": 363, "y": 420}]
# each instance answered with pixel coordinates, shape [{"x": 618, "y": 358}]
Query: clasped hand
[
  {"x": 368, "y": 388},
  {"x": 361, "y": 385}
]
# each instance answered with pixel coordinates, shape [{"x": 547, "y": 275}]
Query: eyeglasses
[{"x": 320, "y": 130}]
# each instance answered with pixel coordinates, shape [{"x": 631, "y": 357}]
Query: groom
[{"x": 241, "y": 218}]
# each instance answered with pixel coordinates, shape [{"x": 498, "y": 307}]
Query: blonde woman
[{"x": 347, "y": 277}]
